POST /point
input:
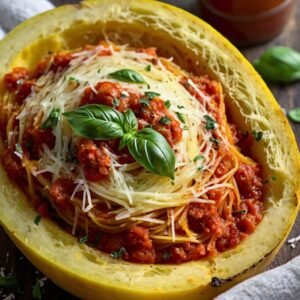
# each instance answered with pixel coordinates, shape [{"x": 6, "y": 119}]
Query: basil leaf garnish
[
  {"x": 95, "y": 121},
  {"x": 210, "y": 122},
  {"x": 294, "y": 114},
  {"x": 148, "y": 147},
  {"x": 130, "y": 121},
  {"x": 127, "y": 75},
  {"x": 153, "y": 152},
  {"x": 52, "y": 120},
  {"x": 279, "y": 64}
]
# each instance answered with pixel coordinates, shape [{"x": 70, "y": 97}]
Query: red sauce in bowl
[{"x": 247, "y": 22}]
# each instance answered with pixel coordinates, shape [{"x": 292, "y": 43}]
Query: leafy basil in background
[
  {"x": 153, "y": 152},
  {"x": 127, "y": 75},
  {"x": 8, "y": 282},
  {"x": 294, "y": 114},
  {"x": 148, "y": 147},
  {"x": 97, "y": 122},
  {"x": 279, "y": 65}
]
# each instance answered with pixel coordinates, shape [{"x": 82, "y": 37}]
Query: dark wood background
[{"x": 288, "y": 97}]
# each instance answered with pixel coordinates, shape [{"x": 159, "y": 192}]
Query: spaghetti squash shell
[{"x": 198, "y": 48}]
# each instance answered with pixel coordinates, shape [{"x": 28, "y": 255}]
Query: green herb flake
[
  {"x": 215, "y": 141},
  {"x": 237, "y": 212},
  {"x": 37, "y": 220},
  {"x": 19, "y": 149},
  {"x": 73, "y": 79},
  {"x": 148, "y": 68},
  {"x": 144, "y": 101},
  {"x": 116, "y": 102},
  {"x": 99, "y": 70},
  {"x": 200, "y": 168},
  {"x": 167, "y": 103},
  {"x": 294, "y": 115},
  {"x": 151, "y": 95},
  {"x": 52, "y": 120},
  {"x": 8, "y": 282},
  {"x": 118, "y": 253},
  {"x": 185, "y": 127},
  {"x": 36, "y": 290},
  {"x": 257, "y": 135},
  {"x": 83, "y": 240},
  {"x": 198, "y": 157},
  {"x": 180, "y": 117},
  {"x": 210, "y": 123},
  {"x": 166, "y": 255},
  {"x": 165, "y": 120},
  {"x": 127, "y": 75},
  {"x": 180, "y": 106},
  {"x": 273, "y": 178}
]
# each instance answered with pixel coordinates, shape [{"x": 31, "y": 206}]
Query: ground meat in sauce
[
  {"x": 94, "y": 160},
  {"x": 228, "y": 229}
]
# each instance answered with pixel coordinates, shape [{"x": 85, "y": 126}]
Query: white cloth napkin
[
  {"x": 12, "y": 12},
  {"x": 282, "y": 283}
]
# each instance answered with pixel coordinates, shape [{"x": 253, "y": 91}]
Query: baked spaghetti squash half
[{"x": 154, "y": 154}]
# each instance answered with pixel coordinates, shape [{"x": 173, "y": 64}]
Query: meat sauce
[{"x": 228, "y": 229}]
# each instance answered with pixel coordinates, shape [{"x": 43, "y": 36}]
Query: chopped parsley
[
  {"x": 52, "y": 120},
  {"x": 145, "y": 101},
  {"x": 200, "y": 168},
  {"x": 148, "y": 68},
  {"x": 118, "y": 253},
  {"x": 243, "y": 211},
  {"x": 19, "y": 149},
  {"x": 180, "y": 117},
  {"x": 165, "y": 120},
  {"x": 166, "y": 255},
  {"x": 210, "y": 123},
  {"x": 257, "y": 135},
  {"x": 116, "y": 102},
  {"x": 151, "y": 95},
  {"x": 197, "y": 157},
  {"x": 180, "y": 106},
  {"x": 83, "y": 240},
  {"x": 73, "y": 79},
  {"x": 215, "y": 141},
  {"x": 37, "y": 220},
  {"x": 167, "y": 104},
  {"x": 185, "y": 127}
]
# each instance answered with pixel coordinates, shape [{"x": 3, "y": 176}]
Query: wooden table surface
[{"x": 288, "y": 97}]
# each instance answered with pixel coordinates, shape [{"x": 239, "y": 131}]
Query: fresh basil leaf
[
  {"x": 279, "y": 64},
  {"x": 127, "y": 75},
  {"x": 151, "y": 95},
  {"x": 52, "y": 120},
  {"x": 36, "y": 290},
  {"x": 210, "y": 123},
  {"x": 118, "y": 253},
  {"x": 130, "y": 121},
  {"x": 8, "y": 282},
  {"x": 294, "y": 114},
  {"x": 95, "y": 121},
  {"x": 153, "y": 152}
]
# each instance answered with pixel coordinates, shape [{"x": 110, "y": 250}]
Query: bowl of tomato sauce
[{"x": 248, "y": 22}]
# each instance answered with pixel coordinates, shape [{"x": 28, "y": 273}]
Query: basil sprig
[
  {"x": 127, "y": 75},
  {"x": 279, "y": 64},
  {"x": 97, "y": 122},
  {"x": 148, "y": 147}
]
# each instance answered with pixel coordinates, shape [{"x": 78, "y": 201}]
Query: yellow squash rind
[{"x": 197, "y": 47}]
